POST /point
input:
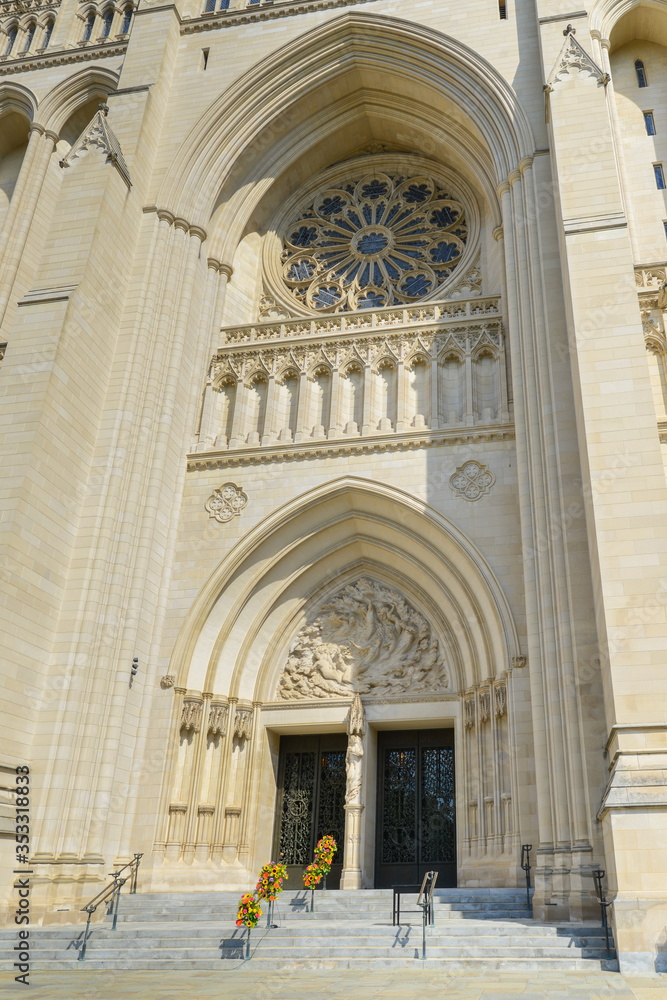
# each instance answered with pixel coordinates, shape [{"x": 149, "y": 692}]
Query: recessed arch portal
[
  {"x": 279, "y": 108},
  {"x": 238, "y": 633}
]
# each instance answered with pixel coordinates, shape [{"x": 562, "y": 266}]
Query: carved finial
[
  {"x": 356, "y": 722},
  {"x": 104, "y": 108},
  {"x": 569, "y": 30}
]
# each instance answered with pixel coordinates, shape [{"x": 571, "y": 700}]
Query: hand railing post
[
  {"x": 525, "y": 864},
  {"x": 82, "y": 953},
  {"x": 247, "y": 946},
  {"x": 598, "y": 875},
  {"x": 425, "y": 901},
  {"x": 135, "y": 871}
]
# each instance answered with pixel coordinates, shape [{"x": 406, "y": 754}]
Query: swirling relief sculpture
[
  {"x": 378, "y": 241},
  {"x": 367, "y": 640}
]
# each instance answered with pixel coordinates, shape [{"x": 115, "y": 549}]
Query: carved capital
[
  {"x": 518, "y": 662},
  {"x": 191, "y": 713},
  {"x": 243, "y": 723},
  {"x": 168, "y": 681},
  {"x": 217, "y": 719}
]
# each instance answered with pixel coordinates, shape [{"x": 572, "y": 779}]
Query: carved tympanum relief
[{"x": 365, "y": 639}]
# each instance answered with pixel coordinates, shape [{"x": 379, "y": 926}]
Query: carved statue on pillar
[{"x": 354, "y": 764}]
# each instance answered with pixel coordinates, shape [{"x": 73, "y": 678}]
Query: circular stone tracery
[{"x": 378, "y": 241}]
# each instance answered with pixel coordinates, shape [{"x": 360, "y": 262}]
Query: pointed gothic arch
[
  {"x": 265, "y": 124},
  {"x": 236, "y": 636}
]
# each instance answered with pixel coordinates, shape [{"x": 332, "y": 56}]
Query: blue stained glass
[
  {"x": 377, "y": 274},
  {"x": 371, "y": 243},
  {"x": 344, "y": 225},
  {"x": 331, "y": 205},
  {"x": 301, "y": 271},
  {"x": 443, "y": 217},
  {"x": 374, "y": 190},
  {"x": 354, "y": 218},
  {"x": 371, "y": 300},
  {"x": 392, "y": 213},
  {"x": 303, "y": 237},
  {"x": 416, "y": 284},
  {"x": 391, "y": 270},
  {"x": 443, "y": 252},
  {"x": 368, "y": 213},
  {"x": 405, "y": 264},
  {"x": 365, "y": 276},
  {"x": 416, "y": 193},
  {"x": 326, "y": 297}
]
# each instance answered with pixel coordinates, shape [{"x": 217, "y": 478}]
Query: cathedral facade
[{"x": 333, "y": 403}]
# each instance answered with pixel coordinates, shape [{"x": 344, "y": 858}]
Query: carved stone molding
[
  {"x": 484, "y": 705},
  {"x": 574, "y": 56},
  {"x": 243, "y": 723},
  {"x": 250, "y": 15},
  {"x": 168, "y": 681},
  {"x": 472, "y": 481},
  {"x": 99, "y": 133},
  {"x": 217, "y": 719},
  {"x": 22, "y": 64},
  {"x": 469, "y": 712},
  {"x": 407, "y": 441},
  {"x": 500, "y": 699},
  {"x": 191, "y": 713},
  {"x": 226, "y": 502},
  {"x": 518, "y": 662},
  {"x": 365, "y": 639}
]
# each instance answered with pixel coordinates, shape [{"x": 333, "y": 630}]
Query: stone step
[
  {"x": 450, "y": 929},
  {"x": 256, "y": 965}
]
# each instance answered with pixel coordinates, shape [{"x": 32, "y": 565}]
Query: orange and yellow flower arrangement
[
  {"x": 249, "y": 911},
  {"x": 270, "y": 881},
  {"x": 321, "y": 867}
]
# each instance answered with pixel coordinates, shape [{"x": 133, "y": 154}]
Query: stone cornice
[
  {"x": 308, "y": 450},
  {"x": 249, "y": 15},
  {"x": 62, "y": 57}
]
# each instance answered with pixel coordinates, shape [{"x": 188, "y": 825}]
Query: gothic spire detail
[{"x": 99, "y": 133}]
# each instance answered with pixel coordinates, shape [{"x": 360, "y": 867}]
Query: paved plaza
[{"x": 394, "y": 985}]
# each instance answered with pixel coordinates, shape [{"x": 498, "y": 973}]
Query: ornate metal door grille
[
  {"x": 416, "y": 807},
  {"x": 311, "y": 799}
]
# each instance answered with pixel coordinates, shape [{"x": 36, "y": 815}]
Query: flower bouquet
[
  {"x": 324, "y": 853},
  {"x": 312, "y": 876},
  {"x": 270, "y": 881},
  {"x": 249, "y": 911}
]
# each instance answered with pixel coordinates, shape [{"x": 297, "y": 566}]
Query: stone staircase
[{"x": 474, "y": 929}]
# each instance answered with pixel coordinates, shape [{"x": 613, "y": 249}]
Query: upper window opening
[
  {"x": 47, "y": 34},
  {"x": 11, "y": 38},
  {"x": 659, "y": 176},
  {"x": 29, "y": 35},
  {"x": 649, "y": 122},
  {"x": 127, "y": 20},
  {"x": 107, "y": 21},
  {"x": 88, "y": 29},
  {"x": 502, "y": 10},
  {"x": 642, "y": 79}
]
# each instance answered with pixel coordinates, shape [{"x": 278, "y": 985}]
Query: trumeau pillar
[{"x": 624, "y": 485}]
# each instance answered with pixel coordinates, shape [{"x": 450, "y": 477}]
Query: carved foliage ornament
[
  {"x": 226, "y": 502},
  {"x": 217, "y": 720},
  {"x": 376, "y": 240},
  {"x": 99, "y": 133},
  {"x": 472, "y": 480},
  {"x": 365, "y": 639},
  {"x": 574, "y": 56},
  {"x": 243, "y": 723},
  {"x": 191, "y": 714}
]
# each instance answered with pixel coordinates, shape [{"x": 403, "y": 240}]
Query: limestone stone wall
[{"x": 135, "y": 289}]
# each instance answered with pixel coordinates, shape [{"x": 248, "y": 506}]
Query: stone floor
[{"x": 397, "y": 985}]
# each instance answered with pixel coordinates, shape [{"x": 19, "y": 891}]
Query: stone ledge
[{"x": 199, "y": 461}]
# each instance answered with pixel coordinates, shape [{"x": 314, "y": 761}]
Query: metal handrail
[
  {"x": 598, "y": 875},
  {"x": 425, "y": 900},
  {"x": 525, "y": 864},
  {"x": 110, "y": 893}
]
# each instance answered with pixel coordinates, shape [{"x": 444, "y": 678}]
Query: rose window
[{"x": 376, "y": 242}]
